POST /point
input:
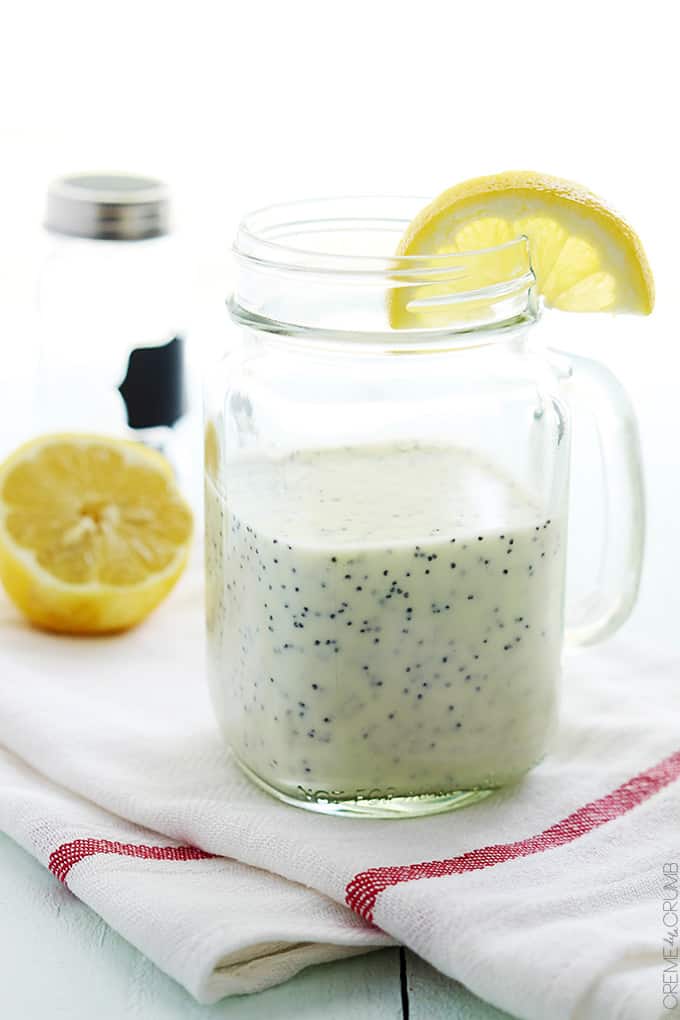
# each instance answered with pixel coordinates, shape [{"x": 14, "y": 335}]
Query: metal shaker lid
[{"x": 112, "y": 207}]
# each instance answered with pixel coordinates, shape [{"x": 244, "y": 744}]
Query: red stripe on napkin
[
  {"x": 65, "y": 856},
  {"x": 363, "y": 890}
]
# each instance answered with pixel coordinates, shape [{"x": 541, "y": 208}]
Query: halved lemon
[
  {"x": 585, "y": 257},
  {"x": 93, "y": 532}
]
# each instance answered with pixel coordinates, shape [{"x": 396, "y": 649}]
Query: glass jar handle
[{"x": 595, "y": 391}]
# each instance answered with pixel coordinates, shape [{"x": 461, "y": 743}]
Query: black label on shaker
[{"x": 153, "y": 388}]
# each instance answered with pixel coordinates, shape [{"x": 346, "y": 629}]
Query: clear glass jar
[
  {"x": 112, "y": 307},
  {"x": 386, "y": 515}
]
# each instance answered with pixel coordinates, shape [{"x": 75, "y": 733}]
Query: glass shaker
[{"x": 111, "y": 310}]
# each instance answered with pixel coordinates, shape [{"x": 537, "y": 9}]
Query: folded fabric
[
  {"x": 545, "y": 899},
  {"x": 216, "y": 926}
]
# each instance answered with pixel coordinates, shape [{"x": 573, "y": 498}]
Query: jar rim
[
  {"x": 259, "y": 232},
  {"x": 333, "y": 264}
]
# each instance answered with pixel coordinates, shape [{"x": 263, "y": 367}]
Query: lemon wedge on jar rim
[
  {"x": 93, "y": 532},
  {"x": 584, "y": 256}
]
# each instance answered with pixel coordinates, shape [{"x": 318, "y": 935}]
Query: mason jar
[{"x": 387, "y": 486}]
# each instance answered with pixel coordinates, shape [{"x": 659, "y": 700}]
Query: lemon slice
[
  {"x": 584, "y": 256},
  {"x": 93, "y": 532}
]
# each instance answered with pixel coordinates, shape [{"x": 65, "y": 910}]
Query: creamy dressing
[{"x": 383, "y": 621}]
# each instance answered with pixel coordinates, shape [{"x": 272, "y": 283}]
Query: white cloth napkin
[
  {"x": 545, "y": 899},
  {"x": 217, "y": 926}
]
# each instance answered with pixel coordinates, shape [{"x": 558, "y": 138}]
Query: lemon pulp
[
  {"x": 585, "y": 257},
  {"x": 93, "y": 532}
]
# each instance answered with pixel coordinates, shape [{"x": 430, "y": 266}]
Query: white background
[{"x": 241, "y": 104}]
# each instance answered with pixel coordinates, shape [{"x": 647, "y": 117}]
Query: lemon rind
[{"x": 574, "y": 199}]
